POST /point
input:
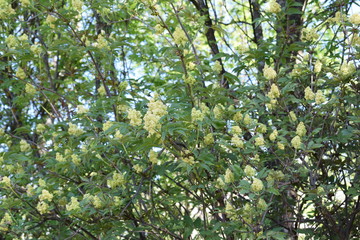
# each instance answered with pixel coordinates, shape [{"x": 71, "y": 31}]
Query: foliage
[{"x": 192, "y": 119}]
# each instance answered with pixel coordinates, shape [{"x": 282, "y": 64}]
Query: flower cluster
[
  {"x": 24, "y": 146},
  {"x": 156, "y": 110},
  {"x": 82, "y": 110},
  {"x": 249, "y": 171},
  {"x": 274, "y": 7},
  {"x": 118, "y": 135},
  {"x": 179, "y": 36},
  {"x": 296, "y": 142},
  {"x": 339, "y": 17},
  {"x": 301, "y": 129},
  {"x": 5, "y": 9},
  {"x": 40, "y": 128},
  {"x": 229, "y": 176},
  {"x": 59, "y": 157},
  {"x": 269, "y": 73},
  {"x": 135, "y": 117},
  {"x": 209, "y": 139},
  {"x": 73, "y": 205},
  {"x": 25, "y": 3},
  {"x": 197, "y": 115},
  {"x": 292, "y": 116},
  {"x": 42, "y": 207},
  {"x": 280, "y": 146},
  {"x": 6, "y": 181},
  {"x": 75, "y": 159},
  {"x": 309, "y": 34},
  {"x": 309, "y": 94},
  {"x": 261, "y": 204},
  {"x": 218, "y": 110},
  {"x": 317, "y": 66},
  {"x": 102, "y": 43},
  {"x": 247, "y": 119},
  {"x": 274, "y": 92},
  {"x": 259, "y": 141},
  {"x": 189, "y": 79},
  {"x": 46, "y": 195},
  {"x": 273, "y": 135},
  {"x": 107, "y": 125},
  {"x": 20, "y": 73},
  {"x": 30, "y": 89},
  {"x": 50, "y": 20},
  {"x": 75, "y": 130},
  {"x": 347, "y": 69},
  {"x": 355, "y": 19},
  {"x": 138, "y": 168},
  {"x": 5, "y": 222},
  {"x": 235, "y": 140},
  {"x": 11, "y": 41},
  {"x": 102, "y": 91},
  {"x": 118, "y": 179},
  {"x": 153, "y": 157},
  {"x": 257, "y": 185},
  {"x": 36, "y": 49},
  {"x": 237, "y": 116},
  {"x": 77, "y": 4},
  {"x": 319, "y": 97}
]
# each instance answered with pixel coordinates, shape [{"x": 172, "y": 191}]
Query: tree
[{"x": 193, "y": 119}]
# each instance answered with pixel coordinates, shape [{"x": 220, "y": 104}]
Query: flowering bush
[{"x": 191, "y": 119}]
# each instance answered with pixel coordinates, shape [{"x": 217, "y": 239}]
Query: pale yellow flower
[
  {"x": 20, "y": 73},
  {"x": 257, "y": 185},
  {"x": 235, "y": 140},
  {"x": 292, "y": 116},
  {"x": 73, "y": 205},
  {"x": 77, "y": 4},
  {"x": 247, "y": 119},
  {"x": 249, "y": 171},
  {"x": 118, "y": 179},
  {"x": 355, "y": 19},
  {"x": 296, "y": 142},
  {"x": 179, "y": 36},
  {"x": 218, "y": 111},
  {"x": 309, "y": 94},
  {"x": 259, "y": 141},
  {"x": 42, "y": 207},
  {"x": 6, "y": 180},
  {"x": 269, "y": 73},
  {"x": 81, "y": 109},
  {"x": 30, "y": 89},
  {"x": 138, "y": 168},
  {"x": 236, "y": 130},
  {"x": 229, "y": 176},
  {"x": 153, "y": 157},
  {"x": 46, "y": 195},
  {"x": 274, "y": 92},
  {"x": 319, "y": 97},
  {"x": 24, "y": 146},
  {"x": 273, "y": 135},
  {"x": 197, "y": 115},
  {"x": 75, "y": 130},
  {"x": 317, "y": 66},
  {"x": 273, "y": 7},
  {"x": 301, "y": 129},
  {"x": 209, "y": 139},
  {"x": 238, "y": 116}
]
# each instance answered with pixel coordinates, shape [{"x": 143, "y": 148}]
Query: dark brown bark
[{"x": 203, "y": 8}]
